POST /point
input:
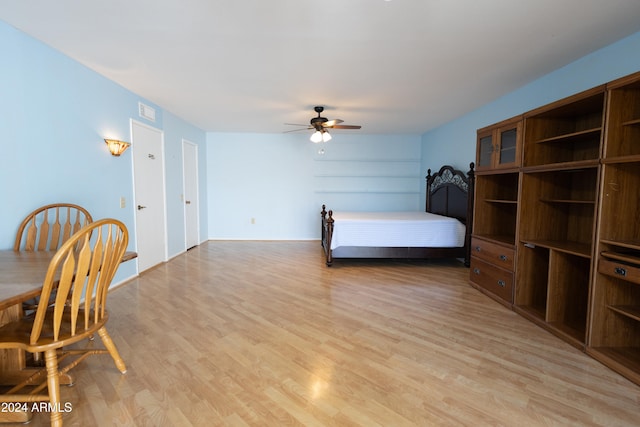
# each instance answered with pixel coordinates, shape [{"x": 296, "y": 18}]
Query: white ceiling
[{"x": 396, "y": 67}]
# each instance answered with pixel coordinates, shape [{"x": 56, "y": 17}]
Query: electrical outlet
[{"x": 123, "y": 202}]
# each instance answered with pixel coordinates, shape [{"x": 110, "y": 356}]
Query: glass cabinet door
[
  {"x": 485, "y": 152},
  {"x": 499, "y": 146},
  {"x": 508, "y": 141}
]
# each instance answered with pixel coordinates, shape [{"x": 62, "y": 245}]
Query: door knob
[
  {"x": 140, "y": 207},
  {"x": 188, "y": 202}
]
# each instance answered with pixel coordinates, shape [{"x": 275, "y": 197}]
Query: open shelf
[
  {"x": 630, "y": 258},
  {"x": 496, "y": 206},
  {"x": 558, "y": 209},
  {"x": 622, "y": 159},
  {"x": 634, "y": 122},
  {"x": 623, "y": 120},
  {"x": 553, "y": 287},
  {"x": 631, "y": 311},
  {"x": 568, "y": 201},
  {"x": 584, "y": 135},
  {"x": 633, "y": 244},
  {"x": 532, "y": 275},
  {"x": 507, "y": 202},
  {"x": 567, "y": 131},
  {"x": 620, "y": 204},
  {"x": 565, "y": 165},
  {"x": 532, "y": 312},
  {"x": 574, "y": 335},
  {"x": 579, "y": 249}
]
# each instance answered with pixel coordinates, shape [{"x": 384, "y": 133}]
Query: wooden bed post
[
  {"x": 327, "y": 232},
  {"x": 470, "y": 202},
  {"x": 330, "y": 221},
  {"x": 323, "y": 213},
  {"x": 427, "y": 192}
]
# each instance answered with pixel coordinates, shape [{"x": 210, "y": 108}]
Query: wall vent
[{"x": 147, "y": 112}]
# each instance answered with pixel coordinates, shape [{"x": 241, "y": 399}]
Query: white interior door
[
  {"x": 147, "y": 145},
  {"x": 190, "y": 179}
]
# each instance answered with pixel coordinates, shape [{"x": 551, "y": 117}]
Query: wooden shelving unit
[
  {"x": 499, "y": 154},
  {"x": 558, "y": 228},
  {"x": 559, "y": 196},
  {"x": 614, "y": 338}
]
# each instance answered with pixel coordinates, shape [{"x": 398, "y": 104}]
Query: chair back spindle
[
  {"x": 80, "y": 273},
  {"x": 48, "y": 227}
]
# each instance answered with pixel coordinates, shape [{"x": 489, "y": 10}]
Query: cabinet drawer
[
  {"x": 493, "y": 252},
  {"x": 494, "y": 279},
  {"x": 619, "y": 270}
]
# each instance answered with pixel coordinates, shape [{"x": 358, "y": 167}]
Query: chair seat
[{"x": 17, "y": 334}]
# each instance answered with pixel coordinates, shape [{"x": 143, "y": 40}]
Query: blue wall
[
  {"x": 54, "y": 114},
  {"x": 176, "y": 131},
  {"x": 454, "y": 143},
  {"x": 282, "y": 180}
]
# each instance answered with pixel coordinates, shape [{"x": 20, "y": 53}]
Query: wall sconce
[{"x": 116, "y": 147}]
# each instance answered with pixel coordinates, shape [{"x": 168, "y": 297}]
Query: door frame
[
  {"x": 196, "y": 191},
  {"x": 165, "y": 251}
]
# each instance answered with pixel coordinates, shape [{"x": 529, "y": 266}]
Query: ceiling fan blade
[
  {"x": 296, "y": 130},
  {"x": 331, "y": 123},
  {"x": 346, "y": 127},
  {"x": 295, "y": 124}
]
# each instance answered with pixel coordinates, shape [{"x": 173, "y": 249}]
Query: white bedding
[{"x": 396, "y": 229}]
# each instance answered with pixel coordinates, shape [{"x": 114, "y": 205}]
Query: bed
[{"x": 443, "y": 230}]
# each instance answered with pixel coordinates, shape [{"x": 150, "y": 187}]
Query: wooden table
[
  {"x": 22, "y": 274},
  {"x": 21, "y": 277}
]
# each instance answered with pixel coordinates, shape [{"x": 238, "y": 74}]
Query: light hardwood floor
[{"x": 264, "y": 334}]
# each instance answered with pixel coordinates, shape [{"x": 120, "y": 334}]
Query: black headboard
[{"x": 450, "y": 193}]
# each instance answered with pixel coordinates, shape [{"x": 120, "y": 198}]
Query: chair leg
[
  {"x": 53, "y": 383},
  {"x": 113, "y": 351}
]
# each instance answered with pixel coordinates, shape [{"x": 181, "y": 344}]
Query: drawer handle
[
  {"x": 503, "y": 258},
  {"x": 478, "y": 249},
  {"x": 476, "y": 270},
  {"x": 620, "y": 271},
  {"x": 502, "y": 283}
]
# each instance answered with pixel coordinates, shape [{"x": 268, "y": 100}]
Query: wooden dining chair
[
  {"x": 48, "y": 227},
  {"x": 81, "y": 270}
]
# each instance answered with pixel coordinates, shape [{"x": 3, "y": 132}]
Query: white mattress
[{"x": 396, "y": 229}]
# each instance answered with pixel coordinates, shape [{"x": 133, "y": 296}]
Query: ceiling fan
[{"x": 321, "y": 126}]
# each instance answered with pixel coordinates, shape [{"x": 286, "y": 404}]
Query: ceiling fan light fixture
[
  {"x": 316, "y": 137},
  {"x": 320, "y": 125}
]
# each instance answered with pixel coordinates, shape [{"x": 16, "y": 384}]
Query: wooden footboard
[{"x": 327, "y": 233}]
